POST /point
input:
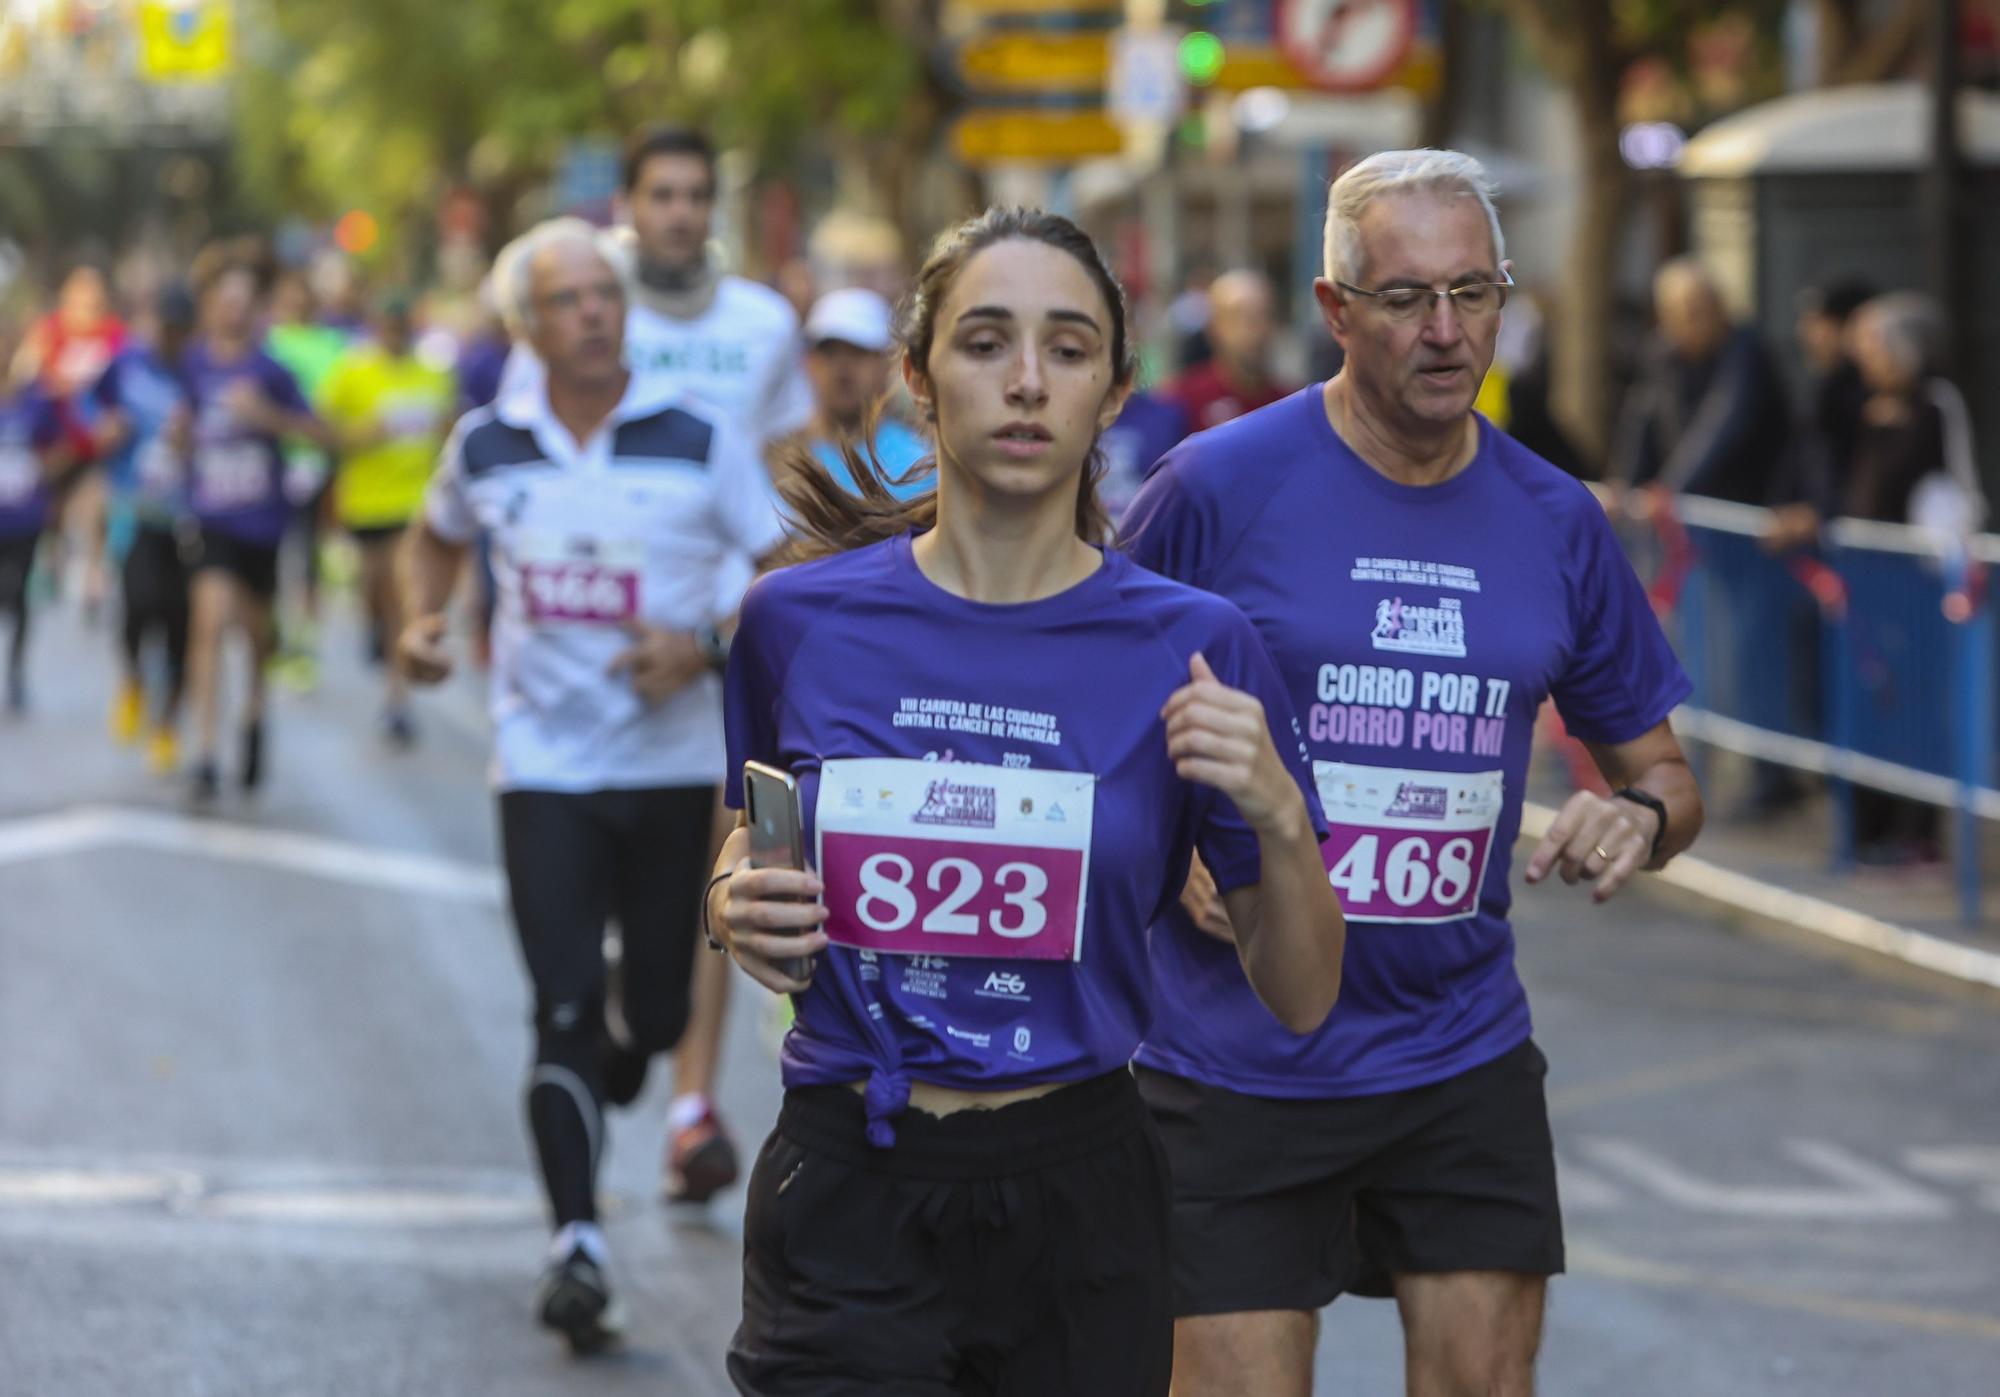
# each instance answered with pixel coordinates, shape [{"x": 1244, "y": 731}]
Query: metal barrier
[{"x": 1870, "y": 661}]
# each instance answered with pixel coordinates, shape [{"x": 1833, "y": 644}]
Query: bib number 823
[
  {"x": 1409, "y": 878},
  {"x": 887, "y": 902},
  {"x": 918, "y": 896}
]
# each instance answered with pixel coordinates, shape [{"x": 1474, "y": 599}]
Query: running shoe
[
  {"x": 205, "y": 785},
  {"x": 574, "y": 1299},
  {"x": 253, "y": 756},
  {"x": 701, "y": 1161},
  {"x": 163, "y": 752},
  {"x": 128, "y": 711}
]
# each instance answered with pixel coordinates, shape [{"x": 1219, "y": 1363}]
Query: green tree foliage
[{"x": 382, "y": 104}]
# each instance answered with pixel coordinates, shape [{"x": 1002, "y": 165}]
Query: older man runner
[
  {"x": 1424, "y": 583},
  {"x": 734, "y": 344},
  {"x": 611, "y": 501}
]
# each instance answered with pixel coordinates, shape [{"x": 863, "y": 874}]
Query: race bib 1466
[
  {"x": 580, "y": 580},
  {"x": 954, "y": 858},
  {"x": 1404, "y": 845}
]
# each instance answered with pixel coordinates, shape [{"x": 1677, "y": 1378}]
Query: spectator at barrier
[
  {"x": 1242, "y": 329},
  {"x": 1822, "y": 456},
  {"x": 1912, "y": 463},
  {"x": 1912, "y": 460},
  {"x": 1707, "y": 414}
]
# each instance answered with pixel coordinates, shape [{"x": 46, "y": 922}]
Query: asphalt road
[{"x": 259, "y": 1128}]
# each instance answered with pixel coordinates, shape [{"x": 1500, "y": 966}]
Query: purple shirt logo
[
  {"x": 964, "y": 807},
  {"x": 1420, "y": 630}
]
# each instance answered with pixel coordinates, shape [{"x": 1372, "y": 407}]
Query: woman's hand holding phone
[{"x": 769, "y": 918}]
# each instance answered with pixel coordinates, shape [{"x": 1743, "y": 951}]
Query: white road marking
[
  {"x": 40, "y": 1188},
  {"x": 1581, "y": 1190},
  {"x": 1966, "y": 1164},
  {"x": 380, "y": 1207},
  {"x": 96, "y": 827},
  {"x": 1859, "y": 1191},
  {"x": 1809, "y": 915}
]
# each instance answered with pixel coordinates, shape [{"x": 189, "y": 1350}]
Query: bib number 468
[{"x": 1421, "y": 877}]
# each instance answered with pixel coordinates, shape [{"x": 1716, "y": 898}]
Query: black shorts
[
  {"x": 255, "y": 565},
  {"x": 1285, "y": 1204},
  {"x": 1020, "y": 1252},
  {"x": 17, "y": 561},
  {"x": 372, "y": 535}
]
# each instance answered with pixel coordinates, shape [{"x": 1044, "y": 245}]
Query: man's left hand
[{"x": 1597, "y": 838}]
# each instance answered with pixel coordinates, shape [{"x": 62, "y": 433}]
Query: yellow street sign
[
  {"x": 982, "y": 8},
  {"x": 184, "y": 42},
  {"x": 1028, "y": 60},
  {"x": 1003, "y": 135},
  {"x": 1248, "y": 65}
]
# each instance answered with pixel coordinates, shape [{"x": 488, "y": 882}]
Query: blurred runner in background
[
  {"x": 848, "y": 338},
  {"x": 388, "y": 411},
  {"x": 137, "y": 399},
  {"x": 308, "y": 346},
  {"x": 33, "y": 453},
  {"x": 241, "y": 405}
]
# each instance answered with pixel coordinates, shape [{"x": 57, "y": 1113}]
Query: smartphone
[{"x": 777, "y": 834}]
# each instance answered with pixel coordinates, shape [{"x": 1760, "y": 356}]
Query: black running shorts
[
  {"x": 1020, "y": 1252},
  {"x": 1286, "y": 1204},
  {"x": 255, "y": 565}
]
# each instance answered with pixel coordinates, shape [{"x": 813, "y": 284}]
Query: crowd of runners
[{"x": 1150, "y": 964}]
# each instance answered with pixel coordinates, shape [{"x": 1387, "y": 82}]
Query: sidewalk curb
[{"x": 1810, "y": 924}]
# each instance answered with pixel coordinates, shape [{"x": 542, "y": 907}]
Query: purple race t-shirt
[
  {"x": 236, "y": 477},
  {"x": 30, "y": 423},
  {"x": 1418, "y": 630},
  {"x": 1000, "y": 871}
]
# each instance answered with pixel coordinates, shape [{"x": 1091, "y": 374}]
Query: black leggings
[
  {"x": 156, "y": 598},
  {"x": 17, "y": 560},
  {"x": 574, "y": 862}
]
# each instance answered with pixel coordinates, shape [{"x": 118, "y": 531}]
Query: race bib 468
[
  {"x": 1405, "y": 845},
  {"x": 953, "y": 858}
]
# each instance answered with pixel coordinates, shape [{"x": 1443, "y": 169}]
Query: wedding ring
[{"x": 1601, "y": 854}]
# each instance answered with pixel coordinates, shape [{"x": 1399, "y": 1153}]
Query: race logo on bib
[{"x": 949, "y": 803}]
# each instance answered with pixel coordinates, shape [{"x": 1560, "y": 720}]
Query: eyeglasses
[{"x": 1475, "y": 300}]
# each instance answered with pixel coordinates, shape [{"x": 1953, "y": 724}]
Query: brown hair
[{"x": 830, "y": 518}]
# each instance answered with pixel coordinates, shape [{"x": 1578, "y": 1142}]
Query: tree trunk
[
  {"x": 1580, "y": 370},
  {"x": 1851, "y": 50}
]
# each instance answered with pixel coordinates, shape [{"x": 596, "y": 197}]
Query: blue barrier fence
[{"x": 1871, "y": 661}]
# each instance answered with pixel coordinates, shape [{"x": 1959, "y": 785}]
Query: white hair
[
  {"x": 1912, "y": 329},
  {"x": 514, "y": 267},
  {"x": 1400, "y": 172}
]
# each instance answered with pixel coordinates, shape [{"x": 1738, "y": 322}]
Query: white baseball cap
[{"x": 853, "y": 315}]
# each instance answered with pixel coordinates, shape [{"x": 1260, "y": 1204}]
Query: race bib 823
[{"x": 954, "y": 858}]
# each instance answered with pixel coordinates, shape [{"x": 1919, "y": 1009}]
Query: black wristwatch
[
  {"x": 713, "y": 645},
  {"x": 1652, "y": 803}
]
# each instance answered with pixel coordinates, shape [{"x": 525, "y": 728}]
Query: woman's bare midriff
[{"x": 934, "y": 1100}]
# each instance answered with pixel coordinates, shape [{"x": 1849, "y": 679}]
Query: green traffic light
[{"x": 1201, "y": 57}]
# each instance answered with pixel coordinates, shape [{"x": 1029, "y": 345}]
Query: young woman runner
[{"x": 1007, "y": 742}]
